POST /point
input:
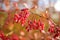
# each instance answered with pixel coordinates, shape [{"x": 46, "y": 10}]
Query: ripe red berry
[{"x": 16, "y": 17}]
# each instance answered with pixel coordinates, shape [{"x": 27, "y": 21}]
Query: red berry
[{"x": 16, "y": 17}]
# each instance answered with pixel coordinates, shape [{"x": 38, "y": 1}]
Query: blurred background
[{"x": 42, "y": 4}]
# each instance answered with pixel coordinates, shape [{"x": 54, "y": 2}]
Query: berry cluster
[
  {"x": 4, "y": 37},
  {"x": 22, "y": 16},
  {"x": 54, "y": 30},
  {"x": 35, "y": 25},
  {"x": 52, "y": 26}
]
